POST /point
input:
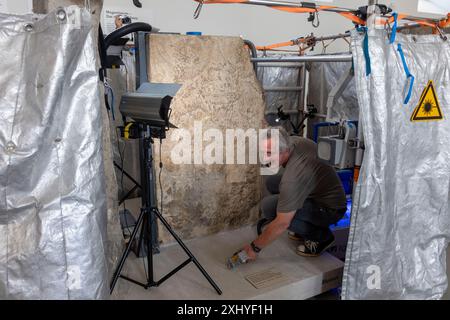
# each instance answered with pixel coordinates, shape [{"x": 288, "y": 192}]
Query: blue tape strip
[
  {"x": 366, "y": 50},
  {"x": 367, "y": 54},
  {"x": 394, "y": 28},
  {"x": 408, "y": 74}
]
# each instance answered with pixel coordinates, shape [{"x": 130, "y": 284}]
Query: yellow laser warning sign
[{"x": 428, "y": 108}]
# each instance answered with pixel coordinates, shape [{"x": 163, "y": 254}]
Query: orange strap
[
  {"x": 284, "y": 44},
  {"x": 400, "y": 16},
  {"x": 303, "y": 10},
  {"x": 353, "y": 18},
  {"x": 425, "y": 23},
  {"x": 221, "y": 1},
  {"x": 296, "y": 10},
  {"x": 276, "y": 45},
  {"x": 445, "y": 23}
]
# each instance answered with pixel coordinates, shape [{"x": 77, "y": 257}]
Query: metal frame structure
[
  {"x": 345, "y": 57},
  {"x": 309, "y": 6},
  {"x": 141, "y": 45},
  {"x": 338, "y": 89},
  {"x": 300, "y": 62}
]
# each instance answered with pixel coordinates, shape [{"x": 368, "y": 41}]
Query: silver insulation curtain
[
  {"x": 400, "y": 221},
  {"x": 280, "y": 77},
  {"x": 52, "y": 190},
  {"x": 323, "y": 76}
]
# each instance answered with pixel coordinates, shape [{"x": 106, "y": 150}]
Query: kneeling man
[{"x": 306, "y": 199}]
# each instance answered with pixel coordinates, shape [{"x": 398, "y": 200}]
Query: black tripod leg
[
  {"x": 189, "y": 253},
  {"x": 126, "y": 252},
  {"x": 148, "y": 239},
  {"x": 141, "y": 238}
]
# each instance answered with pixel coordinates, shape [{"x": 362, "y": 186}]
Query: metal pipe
[
  {"x": 141, "y": 58},
  {"x": 252, "y": 48},
  {"x": 280, "y": 65},
  {"x": 302, "y": 104},
  {"x": 316, "y": 115},
  {"x": 414, "y": 18},
  {"x": 337, "y": 36},
  {"x": 126, "y": 30},
  {"x": 289, "y": 5},
  {"x": 283, "y": 89},
  {"x": 409, "y": 26},
  {"x": 316, "y": 58}
]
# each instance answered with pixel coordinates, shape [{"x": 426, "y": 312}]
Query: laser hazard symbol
[{"x": 428, "y": 108}]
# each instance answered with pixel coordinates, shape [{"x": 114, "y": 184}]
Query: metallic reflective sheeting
[
  {"x": 323, "y": 76},
  {"x": 273, "y": 76},
  {"x": 52, "y": 190},
  {"x": 400, "y": 224}
]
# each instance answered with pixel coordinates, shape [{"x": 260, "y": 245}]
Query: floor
[
  {"x": 301, "y": 278},
  {"x": 292, "y": 276}
]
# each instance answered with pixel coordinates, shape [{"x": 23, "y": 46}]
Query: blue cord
[
  {"x": 408, "y": 74},
  {"x": 366, "y": 50},
  {"x": 394, "y": 28}
]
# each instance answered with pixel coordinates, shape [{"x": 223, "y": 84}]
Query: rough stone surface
[{"x": 220, "y": 89}]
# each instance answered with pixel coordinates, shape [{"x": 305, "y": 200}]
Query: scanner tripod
[{"x": 147, "y": 218}]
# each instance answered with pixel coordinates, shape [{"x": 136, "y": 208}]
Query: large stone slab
[{"x": 220, "y": 91}]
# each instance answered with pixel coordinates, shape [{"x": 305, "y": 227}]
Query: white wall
[
  {"x": 18, "y": 6},
  {"x": 261, "y": 25}
]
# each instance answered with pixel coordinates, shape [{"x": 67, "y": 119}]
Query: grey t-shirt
[{"x": 305, "y": 176}]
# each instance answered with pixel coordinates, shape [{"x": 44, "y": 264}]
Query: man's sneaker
[
  {"x": 314, "y": 248},
  {"x": 296, "y": 237}
]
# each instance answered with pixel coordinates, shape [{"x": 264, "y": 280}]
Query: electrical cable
[
  {"x": 160, "y": 172},
  {"x": 126, "y": 71},
  {"x": 161, "y": 192},
  {"x": 112, "y": 104},
  {"x": 316, "y": 17},
  {"x": 122, "y": 155},
  {"x": 110, "y": 90}
]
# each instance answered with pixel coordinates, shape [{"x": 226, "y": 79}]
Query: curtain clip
[
  {"x": 441, "y": 33},
  {"x": 199, "y": 9}
]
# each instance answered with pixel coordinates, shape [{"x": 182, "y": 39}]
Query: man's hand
[
  {"x": 251, "y": 254},
  {"x": 272, "y": 231}
]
